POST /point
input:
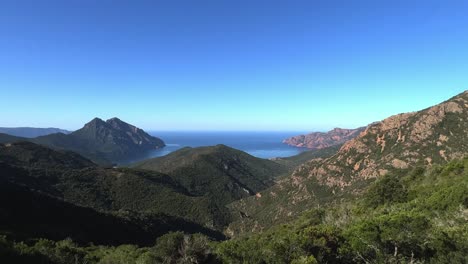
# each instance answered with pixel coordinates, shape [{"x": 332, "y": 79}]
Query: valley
[{"x": 321, "y": 202}]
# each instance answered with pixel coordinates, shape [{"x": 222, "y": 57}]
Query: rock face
[
  {"x": 104, "y": 141},
  {"x": 116, "y": 132},
  {"x": 320, "y": 140},
  {"x": 431, "y": 136}
]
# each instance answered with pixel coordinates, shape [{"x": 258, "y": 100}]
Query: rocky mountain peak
[
  {"x": 95, "y": 122},
  {"x": 105, "y": 140},
  {"x": 433, "y": 135},
  {"x": 320, "y": 140}
]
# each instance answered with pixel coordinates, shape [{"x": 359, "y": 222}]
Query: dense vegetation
[
  {"x": 417, "y": 217},
  {"x": 420, "y": 216},
  {"x": 173, "y": 247},
  {"x": 153, "y": 201},
  {"x": 219, "y": 173}
]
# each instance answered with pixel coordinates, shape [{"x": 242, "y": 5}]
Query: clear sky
[{"x": 228, "y": 65}]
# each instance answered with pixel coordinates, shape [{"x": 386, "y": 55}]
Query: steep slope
[
  {"x": 31, "y": 132},
  {"x": 67, "y": 176},
  {"x": 221, "y": 173},
  {"x": 431, "y": 136},
  {"x": 415, "y": 217},
  {"x": 319, "y": 140},
  {"x": 104, "y": 141}
]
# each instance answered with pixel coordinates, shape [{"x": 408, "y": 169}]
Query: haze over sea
[{"x": 262, "y": 144}]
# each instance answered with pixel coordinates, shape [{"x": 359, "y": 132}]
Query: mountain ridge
[
  {"x": 32, "y": 132},
  {"x": 319, "y": 140},
  {"x": 433, "y": 135}
]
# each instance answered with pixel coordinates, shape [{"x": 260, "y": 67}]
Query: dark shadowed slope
[
  {"x": 31, "y": 132},
  {"x": 5, "y": 138},
  {"x": 147, "y": 198}
]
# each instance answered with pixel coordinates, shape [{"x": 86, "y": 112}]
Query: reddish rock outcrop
[{"x": 319, "y": 140}]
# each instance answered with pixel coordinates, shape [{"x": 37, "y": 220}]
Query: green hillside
[
  {"x": 69, "y": 177},
  {"x": 219, "y": 173},
  {"x": 418, "y": 216}
]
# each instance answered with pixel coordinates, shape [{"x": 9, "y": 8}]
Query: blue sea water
[{"x": 259, "y": 144}]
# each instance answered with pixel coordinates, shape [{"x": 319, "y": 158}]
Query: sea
[{"x": 259, "y": 144}]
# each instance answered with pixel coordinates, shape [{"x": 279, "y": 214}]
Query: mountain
[
  {"x": 219, "y": 173},
  {"x": 319, "y": 140},
  {"x": 431, "y": 136},
  {"x": 104, "y": 141},
  {"x": 31, "y": 132},
  {"x": 151, "y": 201}
]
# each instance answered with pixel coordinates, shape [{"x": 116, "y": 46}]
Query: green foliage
[
  {"x": 125, "y": 254},
  {"x": 396, "y": 233},
  {"x": 305, "y": 260},
  {"x": 386, "y": 190},
  {"x": 171, "y": 248},
  {"x": 416, "y": 217},
  {"x": 168, "y": 246},
  {"x": 285, "y": 244}
]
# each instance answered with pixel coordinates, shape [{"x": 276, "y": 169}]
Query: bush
[{"x": 387, "y": 190}]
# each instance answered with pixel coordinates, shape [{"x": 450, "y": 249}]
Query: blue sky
[{"x": 228, "y": 65}]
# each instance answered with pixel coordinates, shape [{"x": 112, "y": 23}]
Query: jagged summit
[
  {"x": 434, "y": 135},
  {"x": 95, "y": 121},
  {"x": 104, "y": 141},
  {"x": 320, "y": 140}
]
